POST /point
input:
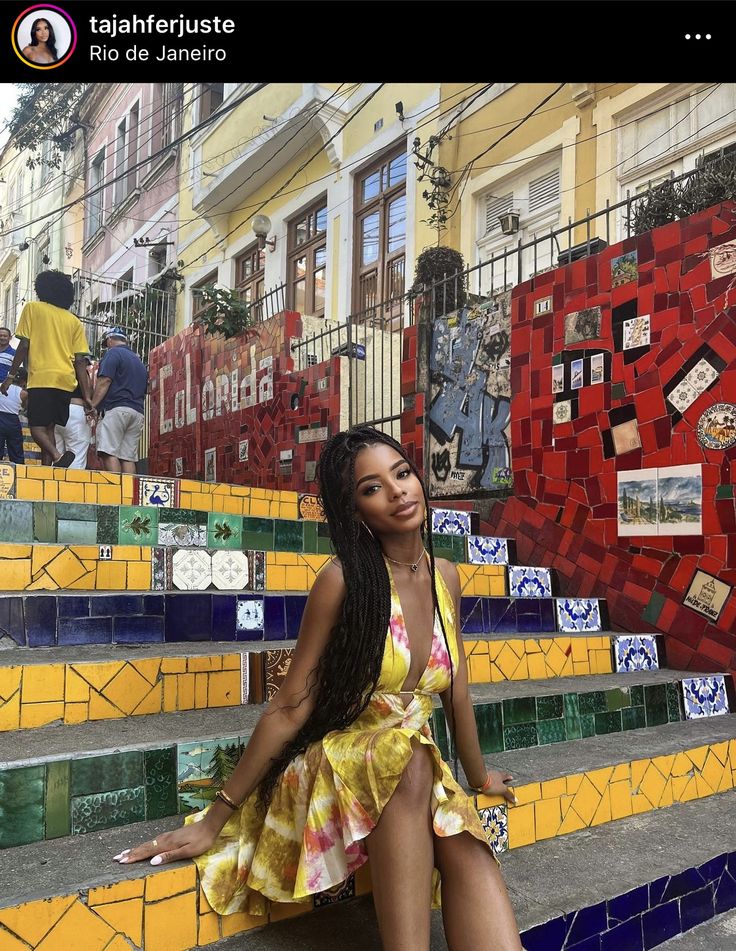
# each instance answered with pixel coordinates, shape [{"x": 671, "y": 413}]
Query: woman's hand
[
  {"x": 497, "y": 784},
  {"x": 184, "y": 843}
]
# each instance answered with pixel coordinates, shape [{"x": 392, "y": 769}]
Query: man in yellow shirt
[{"x": 54, "y": 346}]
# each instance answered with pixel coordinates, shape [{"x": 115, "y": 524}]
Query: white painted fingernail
[
  {"x": 123, "y": 860},
  {"x": 156, "y": 860},
  {"x": 116, "y": 858}
]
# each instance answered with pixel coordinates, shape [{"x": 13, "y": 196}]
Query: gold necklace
[{"x": 406, "y": 564}]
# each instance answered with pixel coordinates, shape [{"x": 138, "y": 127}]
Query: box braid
[{"x": 348, "y": 670}]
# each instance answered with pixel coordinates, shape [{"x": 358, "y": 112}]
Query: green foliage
[
  {"x": 441, "y": 272},
  {"x": 224, "y": 312},
  {"x": 223, "y": 762},
  {"x": 710, "y": 183},
  {"x": 45, "y": 112}
]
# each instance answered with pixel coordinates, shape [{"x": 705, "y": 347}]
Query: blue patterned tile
[
  {"x": 525, "y": 582},
  {"x": 114, "y": 604},
  {"x": 85, "y": 630},
  {"x": 224, "y": 627},
  {"x": 485, "y": 550},
  {"x": 495, "y": 823},
  {"x": 141, "y": 629},
  {"x": 189, "y": 617},
  {"x": 578, "y": 614},
  {"x": 661, "y": 923},
  {"x": 249, "y": 620},
  {"x": 274, "y": 618},
  {"x": 40, "y": 612},
  {"x": 450, "y": 522},
  {"x": 636, "y": 652},
  {"x": 704, "y": 697},
  {"x": 294, "y": 604}
]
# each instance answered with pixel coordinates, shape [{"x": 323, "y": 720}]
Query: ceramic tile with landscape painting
[
  {"x": 637, "y": 502},
  {"x": 558, "y": 378},
  {"x": 624, "y": 269},
  {"x": 680, "y": 500},
  {"x": 202, "y": 769},
  {"x": 576, "y": 374},
  {"x": 597, "y": 368},
  {"x": 583, "y": 325},
  {"x": 210, "y": 465}
]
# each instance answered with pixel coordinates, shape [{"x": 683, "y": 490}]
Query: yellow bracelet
[{"x": 223, "y": 796}]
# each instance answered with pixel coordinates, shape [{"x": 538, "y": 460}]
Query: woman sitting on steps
[{"x": 342, "y": 766}]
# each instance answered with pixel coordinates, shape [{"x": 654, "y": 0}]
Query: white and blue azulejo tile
[
  {"x": 636, "y": 652},
  {"x": 450, "y": 522},
  {"x": 704, "y": 697},
  {"x": 495, "y": 824},
  {"x": 484, "y": 550},
  {"x": 578, "y": 614},
  {"x": 527, "y": 582}
]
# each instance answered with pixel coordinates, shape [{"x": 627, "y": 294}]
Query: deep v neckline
[{"x": 396, "y": 599}]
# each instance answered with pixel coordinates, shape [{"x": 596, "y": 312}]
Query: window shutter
[
  {"x": 544, "y": 190},
  {"x": 495, "y": 207}
]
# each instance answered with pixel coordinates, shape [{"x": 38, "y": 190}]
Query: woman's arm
[
  {"x": 278, "y": 725},
  {"x": 461, "y": 711}
]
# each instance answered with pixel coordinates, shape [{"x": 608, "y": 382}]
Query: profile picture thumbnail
[{"x": 44, "y": 36}]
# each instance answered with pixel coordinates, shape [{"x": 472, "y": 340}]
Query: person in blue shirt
[
  {"x": 11, "y": 431},
  {"x": 6, "y": 351},
  {"x": 122, "y": 382}
]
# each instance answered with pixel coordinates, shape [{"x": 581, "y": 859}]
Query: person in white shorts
[
  {"x": 122, "y": 381},
  {"x": 77, "y": 434}
]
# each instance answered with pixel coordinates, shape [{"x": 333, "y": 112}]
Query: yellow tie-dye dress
[{"x": 331, "y": 796}]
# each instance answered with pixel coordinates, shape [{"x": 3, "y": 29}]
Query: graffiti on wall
[{"x": 470, "y": 409}]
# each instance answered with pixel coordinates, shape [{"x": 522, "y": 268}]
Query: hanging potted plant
[
  {"x": 223, "y": 312},
  {"x": 439, "y": 286}
]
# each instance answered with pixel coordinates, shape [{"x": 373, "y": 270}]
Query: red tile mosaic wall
[
  {"x": 210, "y": 395},
  {"x": 566, "y": 460}
]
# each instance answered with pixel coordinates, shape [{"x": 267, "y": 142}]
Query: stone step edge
[
  {"x": 128, "y": 902},
  {"x": 71, "y": 733}
]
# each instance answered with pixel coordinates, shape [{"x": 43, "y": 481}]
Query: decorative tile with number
[
  {"x": 705, "y": 697},
  {"x": 636, "y": 652},
  {"x": 578, "y": 614},
  {"x": 525, "y": 582}
]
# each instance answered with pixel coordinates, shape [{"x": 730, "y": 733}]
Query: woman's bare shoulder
[
  {"x": 448, "y": 570},
  {"x": 330, "y": 579}
]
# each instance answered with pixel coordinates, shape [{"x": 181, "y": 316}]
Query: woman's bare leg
[
  {"x": 476, "y": 909},
  {"x": 402, "y": 858}
]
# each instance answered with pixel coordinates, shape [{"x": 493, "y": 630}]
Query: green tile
[
  {"x": 633, "y": 718},
  {"x": 106, "y": 810},
  {"x": 224, "y": 531},
  {"x": 257, "y": 534},
  {"x": 571, "y": 706},
  {"x": 724, "y": 492},
  {"x": 549, "y": 708},
  {"x": 185, "y": 517},
  {"x": 443, "y": 548},
  {"x": 97, "y": 774},
  {"x": 107, "y": 524},
  {"x": 324, "y": 545},
  {"x": 551, "y": 731},
  {"x": 637, "y": 696},
  {"x": 593, "y": 702},
  {"x": 655, "y": 703},
  {"x": 58, "y": 819},
  {"x": 520, "y": 737},
  {"x": 76, "y": 532},
  {"x": 21, "y": 802},
  {"x": 74, "y": 512},
  {"x": 137, "y": 525},
  {"x": 44, "y": 521},
  {"x": 288, "y": 535},
  {"x": 556, "y": 359},
  {"x": 16, "y": 521},
  {"x": 618, "y": 391},
  {"x": 439, "y": 732},
  {"x": 160, "y": 772},
  {"x": 651, "y": 612},
  {"x": 617, "y": 698},
  {"x": 310, "y": 537},
  {"x": 674, "y": 712},
  {"x": 519, "y": 710},
  {"x": 490, "y": 727},
  {"x": 587, "y": 724},
  {"x": 607, "y": 722}
]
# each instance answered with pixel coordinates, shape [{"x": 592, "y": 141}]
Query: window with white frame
[
  {"x": 96, "y": 198},
  {"x": 535, "y": 195}
]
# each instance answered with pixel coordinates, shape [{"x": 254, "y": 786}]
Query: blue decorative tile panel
[
  {"x": 635, "y": 652},
  {"x": 525, "y": 582},
  {"x": 578, "y": 614},
  {"x": 450, "y": 522},
  {"x": 705, "y": 697},
  {"x": 485, "y": 550},
  {"x": 249, "y": 616},
  {"x": 496, "y": 827}
]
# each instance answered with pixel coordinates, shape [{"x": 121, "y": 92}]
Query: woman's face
[
  {"x": 42, "y": 31},
  {"x": 388, "y": 496}
]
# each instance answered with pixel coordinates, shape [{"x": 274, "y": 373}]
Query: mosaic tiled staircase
[{"x": 600, "y": 740}]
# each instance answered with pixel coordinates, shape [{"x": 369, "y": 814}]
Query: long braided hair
[{"x": 348, "y": 670}]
